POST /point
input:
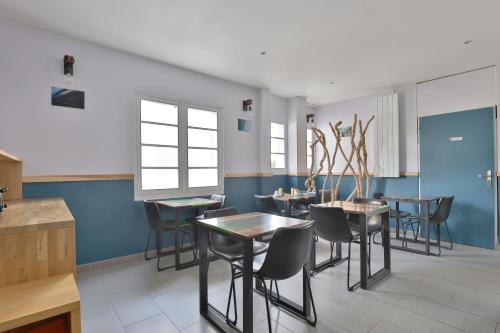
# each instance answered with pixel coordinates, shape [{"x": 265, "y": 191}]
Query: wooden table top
[
  {"x": 357, "y": 208},
  {"x": 289, "y": 197},
  {"x": 405, "y": 198},
  {"x": 251, "y": 225},
  {"x": 35, "y": 214},
  {"x": 29, "y": 302},
  {"x": 188, "y": 202}
]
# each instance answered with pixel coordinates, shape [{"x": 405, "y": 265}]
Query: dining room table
[
  {"x": 185, "y": 204},
  {"x": 364, "y": 211},
  {"x": 424, "y": 202},
  {"x": 245, "y": 228},
  {"x": 289, "y": 199}
]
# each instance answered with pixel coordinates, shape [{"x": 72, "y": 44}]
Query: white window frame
[
  {"x": 308, "y": 167},
  {"x": 284, "y": 138},
  {"x": 182, "y": 125}
]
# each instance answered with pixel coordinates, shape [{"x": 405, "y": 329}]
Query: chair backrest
[
  {"x": 328, "y": 195},
  {"x": 378, "y": 195},
  {"x": 153, "y": 214},
  {"x": 266, "y": 204},
  {"x": 288, "y": 251},
  {"x": 219, "y": 197},
  {"x": 443, "y": 210},
  {"x": 217, "y": 241},
  {"x": 372, "y": 220},
  {"x": 330, "y": 223},
  {"x": 210, "y": 214}
]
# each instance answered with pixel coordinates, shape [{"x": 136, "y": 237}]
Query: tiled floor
[{"x": 457, "y": 292}]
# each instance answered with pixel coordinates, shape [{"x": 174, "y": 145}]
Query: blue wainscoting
[{"x": 111, "y": 224}]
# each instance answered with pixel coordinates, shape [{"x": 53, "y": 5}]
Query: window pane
[
  {"x": 277, "y": 161},
  {"x": 277, "y": 146},
  {"x": 203, "y": 177},
  {"x": 159, "y": 134},
  {"x": 202, "y": 138},
  {"x": 160, "y": 179},
  {"x": 309, "y": 135},
  {"x": 277, "y": 130},
  {"x": 202, "y": 158},
  {"x": 202, "y": 118},
  {"x": 158, "y": 112},
  {"x": 159, "y": 156},
  {"x": 309, "y": 150},
  {"x": 309, "y": 161}
]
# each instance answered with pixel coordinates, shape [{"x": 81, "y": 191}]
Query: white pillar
[{"x": 297, "y": 127}]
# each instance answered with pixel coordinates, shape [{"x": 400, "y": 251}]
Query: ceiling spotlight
[
  {"x": 467, "y": 42},
  {"x": 263, "y": 52},
  {"x": 332, "y": 82}
]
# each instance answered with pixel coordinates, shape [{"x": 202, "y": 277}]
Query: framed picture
[
  {"x": 244, "y": 125},
  {"x": 68, "y": 98}
]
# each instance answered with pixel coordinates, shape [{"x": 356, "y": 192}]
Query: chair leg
[
  {"x": 404, "y": 242},
  {"x": 449, "y": 235},
  {"x": 418, "y": 231},
  {"x": 232, "y": 292},
  {"x": 436, "y": 231},
  {"x": 308, "y": 282},
  {"x": 267, "y": 306},
  {"x": 147, "y": 246},
  {"x": 369, "y": 256},
  {"x": 277, "y": 298},
  {"x": 349, "y": 266}
]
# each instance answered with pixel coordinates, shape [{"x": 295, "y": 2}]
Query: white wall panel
[{"x": 387, "y": 136}]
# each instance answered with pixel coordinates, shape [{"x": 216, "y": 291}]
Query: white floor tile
[
  {"x": 104, "y": 323},
  {"x": 134, "y": 306},
  {"x": 158, "y": 324}
]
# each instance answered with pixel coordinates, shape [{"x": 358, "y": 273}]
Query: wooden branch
[{"x": 353, "y": 149}]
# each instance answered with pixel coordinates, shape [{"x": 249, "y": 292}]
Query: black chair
[
  {"x": 231, "y": 251},
  {"x": 266, "y": 204},
  {"x": 288, "y": 253},
  {"x": 440, "y": 216},
  {"x": 393, "y": 214},
  {"x": 160, "y": 226},
  {"x": 374, "y": 225},
  {"x": 331, "y": 224},
  {"x": 328, "y": 195}
]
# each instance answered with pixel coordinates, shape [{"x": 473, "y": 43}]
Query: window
[
  {"x": 309, "y": 140},
  {"x": 179, "y": 149},
  {"x": 277, "y": 146}
]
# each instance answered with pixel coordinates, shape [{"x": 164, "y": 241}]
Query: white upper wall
[
  {"x": 460, "y": 92},
  {"x": 53, "y": 140},
  {"x": 467, "y": 91}
]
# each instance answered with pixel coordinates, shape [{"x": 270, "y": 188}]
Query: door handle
[{"x": 488, "y": 176}]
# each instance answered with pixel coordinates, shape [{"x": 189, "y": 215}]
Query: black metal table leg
[
  {"x": 398, "y": 219},
  {"x": 330, "y": 262},
  {"x": 247, "y": 285},
  {"x": 386, "y": 240},
  {"x": 427, "y": 229},
  {"x": 203, "y": 269},
  {"x": 363, "y": 252}
]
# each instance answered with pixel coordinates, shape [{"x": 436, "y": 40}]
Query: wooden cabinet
[
  {"x": 37, "y": 240},
  {"x": 11, "y": 175},
  {"x": 45, "y": 305}
]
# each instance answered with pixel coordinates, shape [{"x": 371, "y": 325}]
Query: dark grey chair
[
  {"x": 394, "y": 214},
  {"x": 159, "y": 226},
  {"x": 231, "y": 251},
  {"x": 266, "y": 204},
  {"x": 374, "y": 225},
  {"x": 440, "y": 216},
  {"x": 288, "y": 253},
  {"x": 331, "y": 224}
]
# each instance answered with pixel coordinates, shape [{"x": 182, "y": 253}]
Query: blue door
[{"x": 457, "y": 157}]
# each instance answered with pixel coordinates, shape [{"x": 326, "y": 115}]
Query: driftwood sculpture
[{"x": 358, "y": 149}]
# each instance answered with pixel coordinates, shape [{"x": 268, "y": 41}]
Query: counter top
[{"x": 35, "y": 214}]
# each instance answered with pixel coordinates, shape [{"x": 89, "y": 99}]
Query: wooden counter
[
  {"x": 37, "y": 240},
  {"x": 31, "y": 302}
]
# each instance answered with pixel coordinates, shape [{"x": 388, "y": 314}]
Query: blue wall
[{"x": 111, "y": 224}]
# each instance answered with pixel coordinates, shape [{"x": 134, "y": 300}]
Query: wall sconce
[
  {"x": 68, "y": 67},
  {"x": 247, "y": 105}
]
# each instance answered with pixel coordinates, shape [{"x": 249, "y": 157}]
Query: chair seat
[
  {"x": 299, "y": 212},
  {"x": 371, "y": 228},
  {"x": 258, "y": 260},
  {"x": 234, "y": 251},
  {"x": 401, "y": 214}
]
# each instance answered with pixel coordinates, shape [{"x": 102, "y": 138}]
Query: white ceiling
[{"x": 363, "y": 45}]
